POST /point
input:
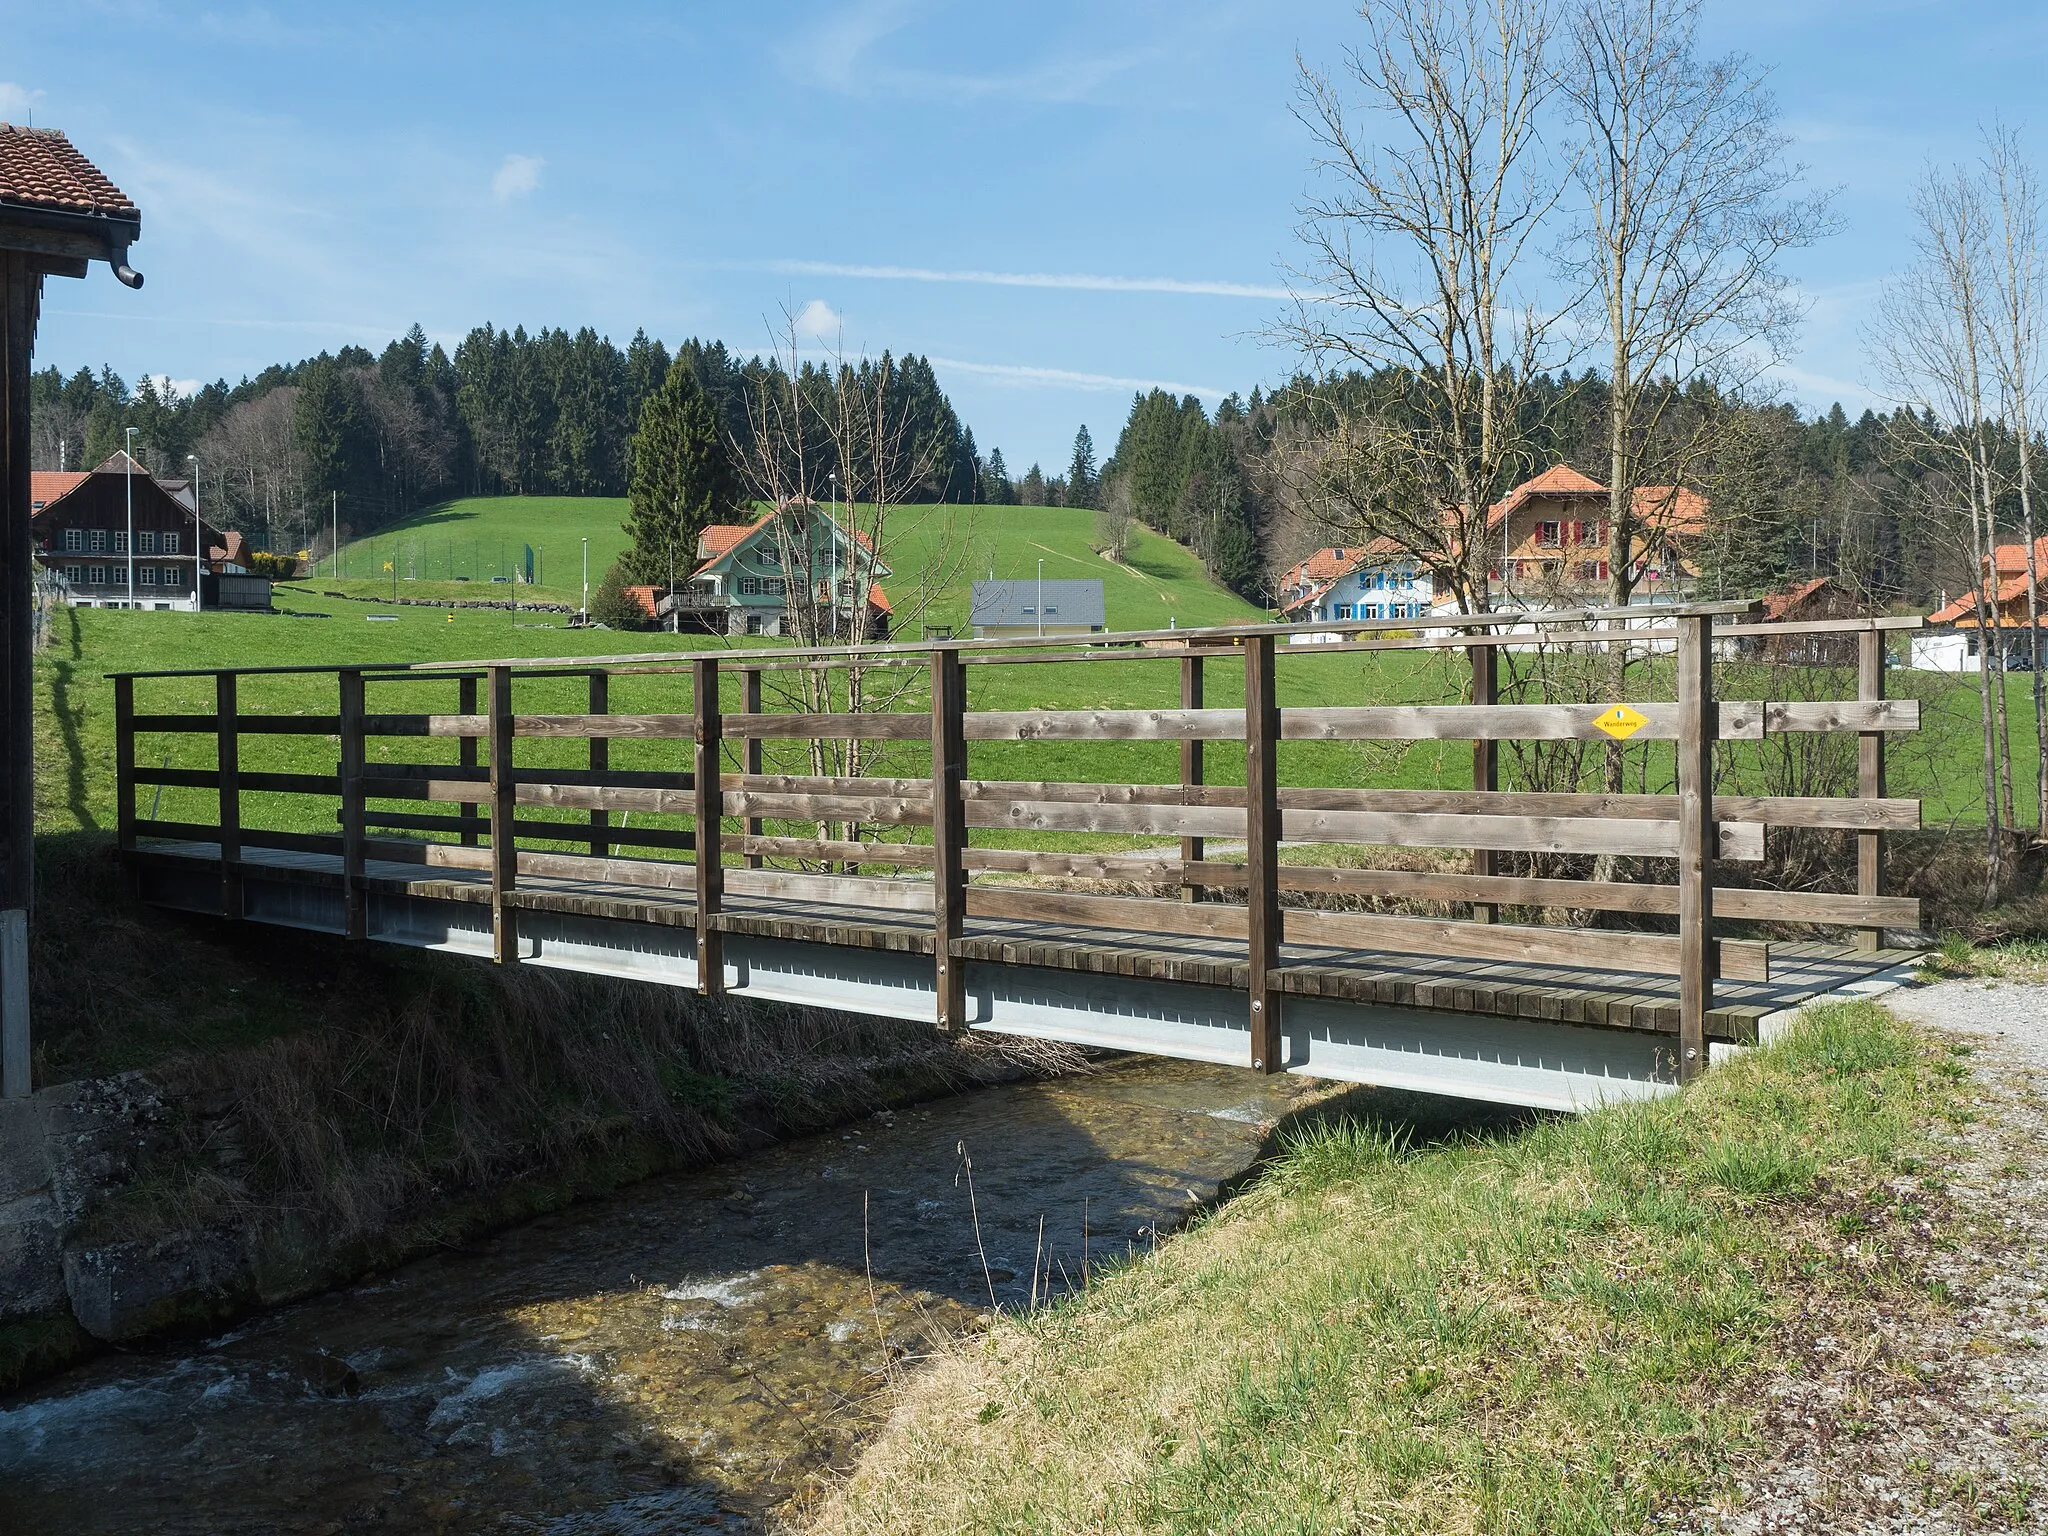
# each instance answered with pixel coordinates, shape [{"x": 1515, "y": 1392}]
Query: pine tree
[
  {"x": 1032, "y": 491},
  {"x": 1081, "y": 473},
  {"x": 682, "y": 478}
]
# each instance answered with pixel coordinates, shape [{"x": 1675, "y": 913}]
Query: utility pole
[
  {"x": 198, "y": 538},
  {"x": 586, "y": 578},
  {"x": 1039, "y": 608},
  {"x": 334, "y": 538},
  {"x": 128, "y": 454}
]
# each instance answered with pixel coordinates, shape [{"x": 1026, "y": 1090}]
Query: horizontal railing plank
[
  {"x": 1500, "y": 722},
  {"x": 247, "y": 725},
  {"x": 619, "y": 727},
  {"x": 1132, "y": 914},
  {"x": 880, "y": 811},
  {"x": 1075, "y": 866},
  {"x": 835, "y": 890},
  {"x": 251, "y": 837},
  {"x": 875, "y": 727},
  {"x": 1514, "y": 943},
  {"x": 1146, "y": 820},
  {"x": 426, "y": 725},
  {"x": 914, "y": 855},
  {"x": 1105, "y": 725},
  {"x": 1844, "y": 715},
  {"x": 1517, "y": 834},
  {"x": 1582, "y": 895}
]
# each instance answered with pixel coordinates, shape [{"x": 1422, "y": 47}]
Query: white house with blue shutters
[{"x": 1375, "y": 581}]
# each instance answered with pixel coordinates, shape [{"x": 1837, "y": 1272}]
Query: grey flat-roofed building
[{"x": 1003, "y": 609}]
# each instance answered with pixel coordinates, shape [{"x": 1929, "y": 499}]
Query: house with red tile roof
[
  {"x": 1949, "y": 642},
  {"x": 1547, "y": 542},
  {"x": 1549, "y": 535},
  {"x": 794, "y": 570}
]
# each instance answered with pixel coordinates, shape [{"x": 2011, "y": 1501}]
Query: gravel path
[{"x": 1933, "y": 1416}]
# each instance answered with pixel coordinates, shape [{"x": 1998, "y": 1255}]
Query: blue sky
[{"x": 1058, "y": 203}]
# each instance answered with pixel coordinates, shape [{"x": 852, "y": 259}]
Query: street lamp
[
  {"x": 586, "y": 579},
  {"x": 198, "y": 537},
  {"x": 1041, "y": 598},
  {"x": 128, "y": 454}
]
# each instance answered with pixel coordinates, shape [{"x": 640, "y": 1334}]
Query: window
[
  {"x": 769, "y": 556},
  {"x": 99, "y": 541},
  {"x": 120, "y": 541},
  {"x": 750, "y": 586},
  {"x": 1589, "y": 570},
  {"x": 1372, "y": 610},
  {"x": 74, "y": 540},
  {"x": 147, "y": 575},
  {"x": 97, "y": 575},
  {"x": 1343, "y": 610},
  {"x": 145, "y": 543},
  {"x": 168, "y": 543},
  {"x": 1546, "y": 533},
  {"x": 173, "y": 576},
  {"x": 1050, "y": 610},
  {"x": 771, "y": 587},
  {"x": 75, "y": 574}
]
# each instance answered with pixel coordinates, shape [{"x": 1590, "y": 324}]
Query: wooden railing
[{"x": 926, "y": 822}]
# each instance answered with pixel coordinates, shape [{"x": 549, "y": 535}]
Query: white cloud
[
  {"x": 818, "y": 321},
  {"x": 17, "y": 102},
  {"x": 1064, "y": 378},
  {"x": 175, "y": 388},
  {"x": 517, "y": 176},
  {"x": 1087, "y": 281}
]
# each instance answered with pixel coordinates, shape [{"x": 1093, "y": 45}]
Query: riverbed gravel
[{"x": 1930, "y": 1414}]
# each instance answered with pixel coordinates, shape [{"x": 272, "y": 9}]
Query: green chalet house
[{"x": 793, "y": 571}]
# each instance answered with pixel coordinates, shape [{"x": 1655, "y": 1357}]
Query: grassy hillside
[
  {"x": 480, "y": 537},
  {"x": 934, "y": 552}
]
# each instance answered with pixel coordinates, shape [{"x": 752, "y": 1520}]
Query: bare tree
[
  {"x": 1686, "y": 205},
  {"x": 844, "y": 433},
  {"x": 1929, "y": 342},
  {"x": 1115, "y": 521},
  {"x": 1429, "y": 153},
  {"x": 258, "y": 479},
  {"x": 2015, "y": 296}
]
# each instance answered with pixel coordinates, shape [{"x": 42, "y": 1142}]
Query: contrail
[{"x": 1088, "y": 281}]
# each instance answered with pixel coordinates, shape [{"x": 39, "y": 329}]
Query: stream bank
[{"x": 697, "y": 1352}]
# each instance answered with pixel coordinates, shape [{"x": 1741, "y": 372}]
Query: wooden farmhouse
[
  {"x": 794, "y": 563},
  {"x": 81, "y": 523},
  {"x": 1950, "y": 641}
]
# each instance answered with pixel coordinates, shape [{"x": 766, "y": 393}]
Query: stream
[{"x": 696, "y": 1353}]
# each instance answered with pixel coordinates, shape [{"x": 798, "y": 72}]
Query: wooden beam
[
  {"x": 1654, "y": 954},
  {"x": 228, "y": 756},
  {"x": 1485, "y": 762},
  {"x": 355, "y": 899},
  {"x": 829, "y": 850},
  {"x": 751, "y": 762},
  {"x": 710, "y": 818},
  {"x": 21, "y": 288},
  {"x": 124, "y": 764},
  {"x": 1522, "y": 834},
  {"x": 876, "y": 727},
  {"x": 833, "y": 890},
  {"x": 1870, "y": 681},
  {"x": 949, "y": 835},
  {"x": 600, "y": 761},
  {"x": 504, "y": 832},
  {"x": 1129, "y": 915},
  {"x": 1191, "y": 762},
  {"x": 465, "y": 753},
  {"x": 1695, "y": 842},
  {"x": 1262, "y": 728}
]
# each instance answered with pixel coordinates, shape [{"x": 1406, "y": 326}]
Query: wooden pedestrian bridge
[{"x": 885, "y": 846}]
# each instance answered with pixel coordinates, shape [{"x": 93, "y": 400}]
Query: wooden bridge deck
[{"x": 1556, "y": 994}]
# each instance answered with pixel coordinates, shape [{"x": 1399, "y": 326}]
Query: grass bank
[{"x": 1559, "y": 1329}]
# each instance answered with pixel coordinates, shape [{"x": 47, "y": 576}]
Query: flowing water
[{"x": 692, "y": 1354}]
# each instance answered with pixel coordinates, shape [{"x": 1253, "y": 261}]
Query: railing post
[
  {"x": 504, "y": 822},
  {"x": 1870, "y": 778},
  {"x": 1191, "y": 767},
  {"x": 600, "y": 761},
  {"x": 465, "y": 754},
  {"x": 710, "y": 808},
  {"x": 1696, "y": 729},
  {"x": 227, "y": 737},
  {"x": 355, "y": 909},
  {"x": 124, "y": 763},
  {"x": 949, "y": 834},
  {"x": 750, "y": 753},
  {"x": 1485, "y": 763},
  {"x": 1262, "y": 846}
]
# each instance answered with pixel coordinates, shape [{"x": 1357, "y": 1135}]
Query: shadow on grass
[{"x": 64, "y": 707}]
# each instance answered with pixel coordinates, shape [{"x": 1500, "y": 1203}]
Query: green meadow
[{"x": 937, "y": 551}]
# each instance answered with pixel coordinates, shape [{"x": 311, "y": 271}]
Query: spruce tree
[
  {"x": 1081, "y": 473},
  {"x": 682, "y": 479}
]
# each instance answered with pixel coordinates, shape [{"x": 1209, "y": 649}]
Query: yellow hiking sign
[{"x": 1621, "y": 722}]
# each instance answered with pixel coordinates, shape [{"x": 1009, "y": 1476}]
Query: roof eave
[{"x": 68, "y": 239}]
